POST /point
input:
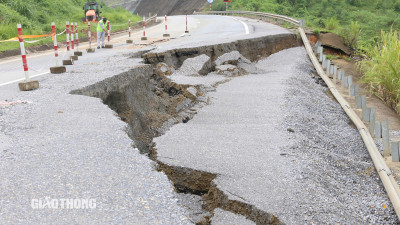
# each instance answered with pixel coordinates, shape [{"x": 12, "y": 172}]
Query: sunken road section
[{"x": 150, "y": 103}]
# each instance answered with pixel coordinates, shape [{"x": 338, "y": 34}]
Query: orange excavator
[{"x": 92, "y": 13}]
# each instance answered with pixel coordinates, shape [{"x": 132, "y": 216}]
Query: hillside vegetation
[
  {"x": 36, "y": 17},
  {"x": 334, "y": 15},
  {"x": 369, "y": 26}
]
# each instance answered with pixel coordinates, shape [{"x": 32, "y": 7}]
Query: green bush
[
  {"x": 382, "y": 68},
  {"x": 332, "y": 24},
  {"x": 351, "y": 34}
]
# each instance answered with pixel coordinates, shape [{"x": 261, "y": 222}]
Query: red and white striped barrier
[
  {"x": 186, "y": 31},
  {"x": 90, "y": 49},
  {"x": 74, "y": 56},
  {"x": 23, "y": 53},
  {"x": 108, "y": 45},
  {"x": 77, "y": 52},
  {"x": 129, "y": 29},
  {"x": 57, "y": 69},
  {"x": 68, "y": 44},
  {"x": 72, "y": 37},
  {"x": 53, "y": 28},
  {"x": 144, "y": 29},
  {"x": 27, "y": 85},
  {"x": 166, "y": 27},
  {"x": 108, "y": 29},
  {"x": 129, "y": 41},
  {"x": 69, "y": 60},
  {"x": 76, "y": 36}
]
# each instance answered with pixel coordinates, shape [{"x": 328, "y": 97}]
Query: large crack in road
[
  {"x": 151, "y": 102},
  {"x": 147, "y": 100}
]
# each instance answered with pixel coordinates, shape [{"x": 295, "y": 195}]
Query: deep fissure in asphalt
[{"x": 150, "y": 103}]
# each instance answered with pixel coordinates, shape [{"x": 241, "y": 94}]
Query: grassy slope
[
  {"x": 372, "y": 15},
  {"x": 36, "y": 17}
]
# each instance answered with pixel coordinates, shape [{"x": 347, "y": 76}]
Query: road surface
[
  {"x": 274, "y": 140},
  {"x": 56, "y": 146},
  {"x": 202, "y": 29}
]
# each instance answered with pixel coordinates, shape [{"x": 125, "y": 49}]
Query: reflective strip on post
[{"x": 23, "y": 53}]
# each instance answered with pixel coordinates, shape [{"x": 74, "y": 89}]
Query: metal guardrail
[
  {"x": 385, "y": 174},
  {"x": 257, "y": 14}
]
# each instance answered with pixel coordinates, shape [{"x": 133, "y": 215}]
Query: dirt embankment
[{"x": 170, "y": 7}]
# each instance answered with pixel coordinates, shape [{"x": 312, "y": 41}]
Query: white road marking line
[
  {"x": 10, "y": 82},
  {"x": 246, "y": 28}
]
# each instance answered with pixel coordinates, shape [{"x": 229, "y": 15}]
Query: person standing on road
[{"x": 101, "y": 32}]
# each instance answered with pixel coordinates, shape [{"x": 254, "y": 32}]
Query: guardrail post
[
  {"x": 366, "y": 113},
  {"x": 345, "y": 82},
  {"x": 385, "y": 136},
  {"x": 378, "y": 129},
  {"x": 335, "y": 74},
  {"x": 27, "y": 85},
  {"x": 349, "y": 80},
  {"x": 395, "y": 152},
  {"x": 69, "y": 60},
  {"x": 356, "y": 90},
  {"x": 321, "y": 54},
  {"x": 324, "y": 61},
  {"x": 90, "y": 49},
  {"x": 57, "y": 69},
  {"x": 372, "y": 117},
  {"x": 343, "y": 77},
  {"x": 302, "y": 23},
  {"x": 328, "y": 66}
]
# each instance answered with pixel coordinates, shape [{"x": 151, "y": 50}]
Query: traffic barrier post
[
  {"x": 144, "y": 30},
  {"x": 129, "y": 41},
  {"x": 90, "y": 49},
  {"x": 69, "y": 60},
  {"x": 56, "y": 69},
  {"x": 108, "y": 45},
  {"x": 27, "y": 85},
  {"x": 77, "y": 53},
  {"x": 187, "y": 30},
  {"x": 166, "y": 27},
  {"x": 72, "y": 32}
]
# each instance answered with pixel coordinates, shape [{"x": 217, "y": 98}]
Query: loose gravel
[{"x": 335, "y": 167}]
